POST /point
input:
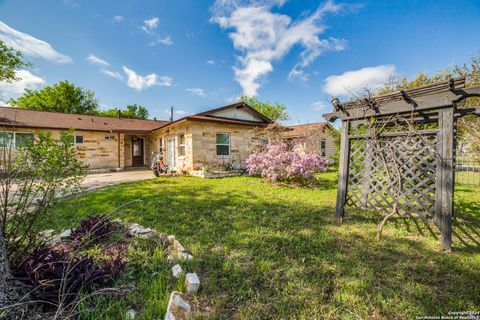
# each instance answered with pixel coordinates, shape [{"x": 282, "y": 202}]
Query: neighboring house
[
  {"x": 219, "y": 137},
  {"x": 313, "y": 137}
]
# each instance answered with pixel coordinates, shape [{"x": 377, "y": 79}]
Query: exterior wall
[
  {"x": 147, "y": 149},
  {"x": 173, "y": 131},
  {"x": 302, "y": 146},
  {"x": 235, "y": 113},
  {"x": 200, "y": 144},
  {"x": 242, "y": 142},
  {"x": 95, "y": 150}
]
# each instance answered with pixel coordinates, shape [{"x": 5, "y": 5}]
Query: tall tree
[
  {"x": 275, "y": 111},
  {"x": 10, "y": 61},
  {"x": 61, "y": 97},
  {"x": 132, "y": 111}
]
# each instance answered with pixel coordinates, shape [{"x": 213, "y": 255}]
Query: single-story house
[
  {"x": 218, "y": 137},
  {"x": 317, "y": 137}
]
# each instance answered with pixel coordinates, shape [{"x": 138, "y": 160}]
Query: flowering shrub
[{"x": 276, "y": 163}]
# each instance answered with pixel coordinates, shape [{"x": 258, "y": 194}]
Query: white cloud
[
  {"x": 96, "y": 60},
  {"x": 27, "y": 81},
  {"x": 139, "y": 82},
  {"x": 30, "y": 46},
  {"x": 320, "y": 106},
  {"x": 150, "y": 24},
  {"x": 262, "y": 37},
  {"x": 196, "y": 91},
  {"x": 166, "y": 41},
  {"x": 211, "y": 62},
  {"x": 118, "y": 18},
  {"x": 353, "y": 82},
  {"x": 112, "y": 74}
]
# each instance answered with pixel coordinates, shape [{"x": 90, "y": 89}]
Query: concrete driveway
[{"x": 99, "y": 180}]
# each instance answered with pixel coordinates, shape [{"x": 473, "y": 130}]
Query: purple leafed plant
[
  {"x": 92, "y": 229},
  {"x": 276, "y": 163},
  {"x": 58, "y": 276}
]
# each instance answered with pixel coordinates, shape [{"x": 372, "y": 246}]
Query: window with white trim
[
  {"x": 223, "y": 144},
  {"x": 75, "y": 139},
  {"x": 16, "y": 139},
  {"x": 181, "y": 145}
]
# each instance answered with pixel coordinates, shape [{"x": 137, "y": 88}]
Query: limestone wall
[
  {"x": 173, "y": 132},
  {"x": 200, "y": 144},
  {"x": 204, "y": 145},
  {"x": 96, "y": 150}
]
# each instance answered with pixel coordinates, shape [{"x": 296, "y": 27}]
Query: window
[
  {"x": 106, "y": 138},
  {"x": 223, "y": 144},
  {"x": 160, "y": 145},
  {"x": 6, "y": 139},
  {"x": 23, "y": 139},
  {"x": 74, "y": 139},
  {"x": 16, "y": 139},
  {"x": 323, "y": 148},
  {"x": 181, "y": 145}
]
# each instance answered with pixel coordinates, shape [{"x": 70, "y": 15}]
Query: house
[
  {"x": 315, "y": 137},
  {"x": 218, "y": 137}
]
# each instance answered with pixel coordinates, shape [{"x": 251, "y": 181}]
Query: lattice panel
[{"x": 374, "y": 169}]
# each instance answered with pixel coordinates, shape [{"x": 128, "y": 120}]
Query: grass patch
[{"x": 275, "y": 252}]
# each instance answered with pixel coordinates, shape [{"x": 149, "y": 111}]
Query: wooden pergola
[{"x": 427, "y": 158}]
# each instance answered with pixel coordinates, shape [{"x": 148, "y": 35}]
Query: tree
[
  {"x": 33, "y": 177},
  {"x": 275, "y": 111},
  {"x": 468, "y": 126},
  {"x": 10, "y": 61},
  {"x": 61, "y": 97},
  {"x": 132, "y": 111}
]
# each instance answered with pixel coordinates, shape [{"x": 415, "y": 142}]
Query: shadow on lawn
[{"x": 267, "y": 256}]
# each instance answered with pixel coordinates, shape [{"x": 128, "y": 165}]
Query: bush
[{"x": 276, "y": 163}]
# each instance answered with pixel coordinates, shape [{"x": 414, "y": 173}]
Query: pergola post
[
  {"x": 343, "y": 170},
  {"x": 447, "y": 141}
]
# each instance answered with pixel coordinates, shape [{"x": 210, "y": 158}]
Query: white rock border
[{"x": 178, "y": 305}]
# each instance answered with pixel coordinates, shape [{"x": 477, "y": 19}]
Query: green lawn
[{"x": 275, "y": 252}]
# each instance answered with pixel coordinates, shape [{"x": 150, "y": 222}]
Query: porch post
[
  {"x": 343, "y": 170},
  {"x": 447, "y": 186}
]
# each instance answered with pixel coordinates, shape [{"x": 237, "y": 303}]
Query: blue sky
[{"x": 199, "y": 54}]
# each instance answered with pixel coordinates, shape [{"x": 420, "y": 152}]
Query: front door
[
  {"x": 137, "y": 152},
  {"x": 171, "y": 153}
]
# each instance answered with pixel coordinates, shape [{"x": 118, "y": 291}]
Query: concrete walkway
[{"x": 100, "y": 180}]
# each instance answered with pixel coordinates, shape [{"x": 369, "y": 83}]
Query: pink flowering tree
[{"x": 275, "y": 162}]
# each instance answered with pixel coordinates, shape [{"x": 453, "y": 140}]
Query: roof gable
[{"x": 237, "y": 111}]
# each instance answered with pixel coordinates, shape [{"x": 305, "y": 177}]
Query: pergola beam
[{"x": 437, "y": 97}]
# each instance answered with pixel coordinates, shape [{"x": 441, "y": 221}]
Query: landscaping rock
[
  {"x": 46, "y": 234},
  {"x": 65, "y": 234},
  {"x": 178, "y": 308},
  {"x": 170, "y": 238},
  {"x": 185, "y": 256},
  {"x": 192, "y": 283},
  {"x": 177, "y": 271},
  {"x": 131, "y": 314},
  {"x": 177, "y": 246},
  {"x": 132, "y": 229}
]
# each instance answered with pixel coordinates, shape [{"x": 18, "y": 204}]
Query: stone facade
[
  {"x": 200, "y": 145},
  {"x": 99, "y": 150}
]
